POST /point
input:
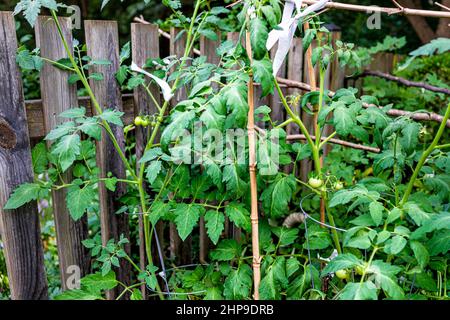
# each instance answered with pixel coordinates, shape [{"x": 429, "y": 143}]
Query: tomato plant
[{"x": 385, "y": 228}]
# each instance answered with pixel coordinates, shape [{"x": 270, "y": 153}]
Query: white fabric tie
[
  {"x": 286, "y": 31},
  {"x": 166, "y": 90}
]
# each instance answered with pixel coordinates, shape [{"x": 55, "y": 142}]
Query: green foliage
[{"x": 389, "y": 238}]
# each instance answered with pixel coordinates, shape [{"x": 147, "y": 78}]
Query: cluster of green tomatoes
[
  {"x": 145, "y": 121},
  {"x": 321, "y": 184}
]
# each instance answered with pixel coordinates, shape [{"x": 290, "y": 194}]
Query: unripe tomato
[
  {"x": 145, "y": 122},
  {"x": 138, "y": 121},
  {"x": 342, "y": 274},
  {"x": 339, "y": 185},
  {"x": 315, "y": 183},
  {"x": 359, "y": 270}
]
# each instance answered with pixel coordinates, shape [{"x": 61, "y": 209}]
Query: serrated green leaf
[
  {"x": 226, "y": 250},
  {"x": 214, "y": 224},
  {"x": 416, "y": 213},
  {"x": 39, "y": 158},
  {"x": 90, "y": 127},
  {"x": 67, "y": 149},
  {"x": 186, "y": 218},
  {"x": 97, "y": 282},
  {"x": 238, "y": 283},
  {"x": 439, "y": 243},
  {"x": 277, "y": 196},
  {"x": 239, "y": 215},
  {"x": 342, "y": 261},
  {"x": 376, "y": 212},
  {"x": 79, "y": 199},
  {"x": 112, "y": 116},
  {"x": 258, "y": 38},
  {"x": 286, "y": 236},
  {"x": 153, "y": 170},
  {"x": 73, "y": 113},
  {"x": 420, "y": 253},
  {"x": 395, "y": 245},
  {"x": 263, "y": 73},
  {"x": 359, "y": 291},
  {"x": 23, "y": 194}
]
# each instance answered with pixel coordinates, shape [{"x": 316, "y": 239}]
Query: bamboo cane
[{"x": 252, "y": 169}]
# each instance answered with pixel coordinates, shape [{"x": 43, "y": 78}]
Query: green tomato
[
  {"x": 342, "y": 274},
  {"x": 145, "y": 122},
  {"x": 339, "y": 186},
  {"x": 138, "y": 121},
  {"x": 315, "y": 183},
  {"x": 359, "y": 270}
]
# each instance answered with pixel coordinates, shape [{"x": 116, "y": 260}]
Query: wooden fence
[{"x": 22, "y": 120}]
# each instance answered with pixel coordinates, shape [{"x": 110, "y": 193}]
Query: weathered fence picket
[
  {"x": 20, "y": 228},
  {"x": 145, "y": 45},
  {"x": 102, "y": 41},
  {"x": 57, "y": 96}
]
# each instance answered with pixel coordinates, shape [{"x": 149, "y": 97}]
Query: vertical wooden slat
[
  {"x": 295, "y": 72},
  {"x": 144, "y": 45},
  {"x": 181, "y": 251},
  {"x": 102, "y": 41},
  {"x": 20, "y": 228},
  {"x": 335, "y": 81},
  {"x": 207, "y": 48},
  {"x": 57, "y": 96}
]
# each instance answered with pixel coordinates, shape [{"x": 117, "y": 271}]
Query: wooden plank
[
  {"x": 20, "y": 228},
  {"x": 144, "y": 45},
  {"x": 58, "y": 95},
  {"x": 102, "y": 41},
  {"x": 335, "y": 80},
  {"x": 179, "y": 250},
  {"x": 295, "y": 72}
]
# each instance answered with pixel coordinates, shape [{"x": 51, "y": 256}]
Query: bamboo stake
[{"x": 252, "y": 169}]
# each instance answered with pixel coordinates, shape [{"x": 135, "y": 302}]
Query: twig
[
  {"x": 294, "y": 137},
  {"x": 389, "y": 11},
  {"x": 442, "y": 6},
  {"x": 404, "y": 81}
]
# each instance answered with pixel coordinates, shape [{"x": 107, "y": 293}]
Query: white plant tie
[
  {"x": 286, "y": 29},
  {"x": 166, "y": 90}
]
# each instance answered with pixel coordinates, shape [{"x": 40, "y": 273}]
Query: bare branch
[
  {"x": 404, "y": 81},
  {"x": 404, "y": 11},
  {"x": 294, "y": 137}
]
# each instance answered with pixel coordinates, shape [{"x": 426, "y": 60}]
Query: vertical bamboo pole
[{"x": 252, "y": 169}]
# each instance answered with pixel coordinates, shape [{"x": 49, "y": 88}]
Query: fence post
[
  {"x": 20, "y": 228},
  {"x": 58, "y": 95},
  {"x": 144, "y": 45},
  {"x": 102, "y": 41}
]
